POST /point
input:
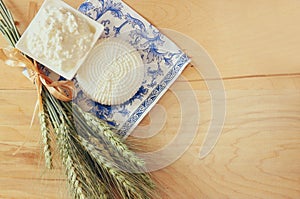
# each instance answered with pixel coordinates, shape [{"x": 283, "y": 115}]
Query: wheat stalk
[
  {"x": 60, "y": 129},
  {"x": 7, "y": 25},
  {"x": 110, "y": 138},
  {"x": 126, "y": 184},
  {"x": 10, "y": 32},
  {"x": 127, "y": 159},
  {"x": 124, "y": 160},
  {"x": 83, "y": 181},
  {"x": 68, "y": 162},
  {"x": 46, "y": 138},
  {"x": 93, "y": 170}
]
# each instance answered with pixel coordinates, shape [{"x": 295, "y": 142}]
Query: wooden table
[{"x": 255, "y": 45}]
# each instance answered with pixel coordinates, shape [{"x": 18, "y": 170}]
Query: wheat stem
[
  {"x": 112, "y": 139},
  {"x": 91, "y": 169},
  {"x": 8, "y": 28},
  {"x": 124, "y": 186},
  {"x": 83, "y": 181},
  {"x": 129, "y": 184},
  {"x": 71, "y": 172}
]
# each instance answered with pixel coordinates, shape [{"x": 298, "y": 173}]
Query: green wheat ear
[
  {"x": 111, "y": 139},
  {"x": 91, "y": 173},
  {"x": 122, "y": 166},
  {"x": 66, "y": 156},
  {"x": 126, "y": 184},
  {"x": 46, "y": 139}
]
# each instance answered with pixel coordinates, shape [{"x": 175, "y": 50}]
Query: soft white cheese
[{"x": 61, "y": 38}]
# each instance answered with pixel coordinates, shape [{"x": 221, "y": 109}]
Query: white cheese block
[{"x": 112, "y": 73}]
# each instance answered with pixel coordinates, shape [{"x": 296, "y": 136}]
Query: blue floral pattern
[{"x": 163, "y": 60}]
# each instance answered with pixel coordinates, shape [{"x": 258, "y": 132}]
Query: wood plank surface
[{"x": 255, "y": 45}]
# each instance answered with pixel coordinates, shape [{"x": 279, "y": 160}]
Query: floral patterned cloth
[{"x": 163, "y": 60}]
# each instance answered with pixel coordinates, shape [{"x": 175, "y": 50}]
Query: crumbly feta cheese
[{"x": 61, "y": 38}]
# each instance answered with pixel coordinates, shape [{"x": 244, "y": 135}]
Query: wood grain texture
[{"x": 255, "y": 46}]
